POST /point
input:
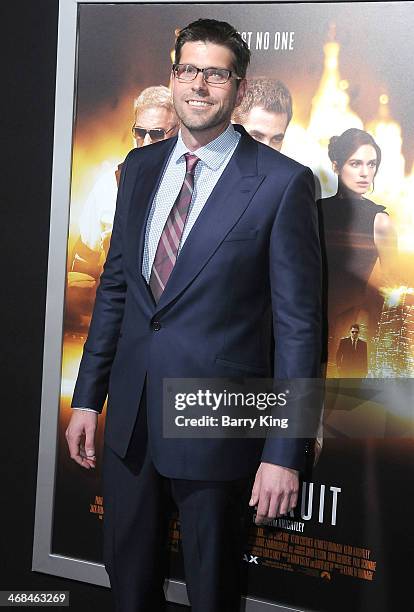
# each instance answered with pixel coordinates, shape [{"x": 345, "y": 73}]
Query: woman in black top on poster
[{"x": 355, "y": 233}]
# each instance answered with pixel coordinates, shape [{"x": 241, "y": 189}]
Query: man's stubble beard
[
  {"x": 207, "y": 125},
  {"x": 222, "y": 116}
]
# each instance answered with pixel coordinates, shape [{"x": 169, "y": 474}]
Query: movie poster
[{"x": 346, "y": 67}]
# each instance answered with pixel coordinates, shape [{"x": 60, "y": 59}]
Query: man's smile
[{"x": 198, "y": 103}]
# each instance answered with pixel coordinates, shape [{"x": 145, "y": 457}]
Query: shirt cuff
[{"x": 85, "y": 409}]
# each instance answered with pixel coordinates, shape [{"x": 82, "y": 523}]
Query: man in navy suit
[
  {"x": 213, "y": 271},
  {"x": 351, "y": 356}
]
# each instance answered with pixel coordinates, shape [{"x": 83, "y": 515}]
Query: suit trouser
[{"x": 138, "y": 504}]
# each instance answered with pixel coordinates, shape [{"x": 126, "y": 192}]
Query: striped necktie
[{"x": 167, "y": 249}]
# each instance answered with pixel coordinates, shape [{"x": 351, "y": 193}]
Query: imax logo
[{"x": 251, "y": 559}]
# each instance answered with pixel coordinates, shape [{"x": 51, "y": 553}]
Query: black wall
[{"x": 29, "y": 39}]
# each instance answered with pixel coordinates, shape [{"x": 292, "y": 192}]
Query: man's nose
[
  {"x": 199, "y": 83},
  {"x": 147, "y": 140}
]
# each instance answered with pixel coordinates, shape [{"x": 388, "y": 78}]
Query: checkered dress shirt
[{"x": 214, "y": 158}]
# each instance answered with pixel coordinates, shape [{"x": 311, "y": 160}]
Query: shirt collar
[{"x": 212, "y": 154}]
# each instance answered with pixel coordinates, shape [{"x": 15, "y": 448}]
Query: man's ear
[{"x": 241, "y": 91}]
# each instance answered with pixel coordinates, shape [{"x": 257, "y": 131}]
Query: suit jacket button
[{"x": 156, "y": 326}]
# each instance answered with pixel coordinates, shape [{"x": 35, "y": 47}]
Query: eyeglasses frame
[{"x": 230, "y": 75}]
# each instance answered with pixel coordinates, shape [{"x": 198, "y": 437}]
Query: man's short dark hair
[
  {"x": 354, "y": 326},
  {"x": 270, "y": 95},
  {"x": 219, "y": 33}
]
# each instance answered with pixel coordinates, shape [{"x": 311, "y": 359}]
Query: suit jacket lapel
[{"x": 227, "y": 202}]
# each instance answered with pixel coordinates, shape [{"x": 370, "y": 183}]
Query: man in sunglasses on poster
[
  {"x": 154, "y": 120},
  {"x": 214, "y": 249}
]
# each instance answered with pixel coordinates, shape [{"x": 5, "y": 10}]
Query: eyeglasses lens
[{"x": 214, "y": 76}]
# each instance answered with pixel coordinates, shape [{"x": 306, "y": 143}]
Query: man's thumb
[{"x": 90, "y": 443}]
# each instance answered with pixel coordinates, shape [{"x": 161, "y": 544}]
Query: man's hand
[
  {"x": 80, "y": 436},
  {"x": 275, "y": 491}
]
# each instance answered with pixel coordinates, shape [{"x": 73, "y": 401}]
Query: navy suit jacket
[{"x": 250, "y": 265}]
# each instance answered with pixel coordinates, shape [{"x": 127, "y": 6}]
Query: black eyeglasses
[
  {"x": 155, "y": 134},
  {"x": 354, "y": 331},
  {"x": 214, "y": 76}
]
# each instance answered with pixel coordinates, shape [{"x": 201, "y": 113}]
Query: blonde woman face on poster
[
  {"x": 355, "y": 158},
  {"x": 358, "y": 171}
]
